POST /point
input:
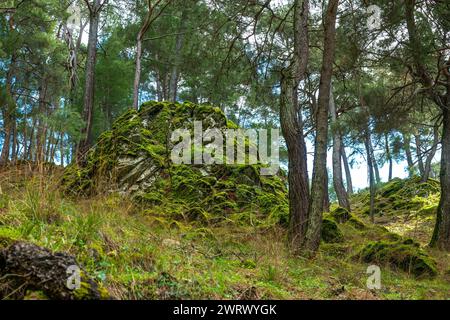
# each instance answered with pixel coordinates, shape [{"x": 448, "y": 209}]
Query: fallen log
[{"x": 26, "y": 267}]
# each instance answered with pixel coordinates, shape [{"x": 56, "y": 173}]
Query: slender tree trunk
[
  {"x": 326, "y": 198},
  {"x": 407, "y": 148},
  {"x": 41, "y": 129},
  {"x": 137, "y": 74},
  {"x": 348, "y": 174},
  {"x": 371, "y": 174},
  {"x": 4, "y": 157},
  {"x": 292, "y": 128},
  {"x": 338, "y": 180},
  {"x": 419, "y": 155},
  {"x": 388, "y": 155},
  {"x": 29, "y": 151},
  {"x": 174, "y": 78},
  {"x": 61, "y": 147},
  {"x": 431, "y": 154},
  {"x": 88, "y": 102},
  {"x": 14, "y": 143},
  {"x": 374, "y": 161},
  {"x": 320, "y": 176}
]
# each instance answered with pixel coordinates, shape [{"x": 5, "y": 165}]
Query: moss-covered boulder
[
  {"x": 134, "y": 159},
  {"x": 330, "y": 232},
  {"x": 25, "y": 267},
  {"x": 402, "y": 197},
  {"x": 404, "y": 255},
  {"x": 340, "y": 215},
  {"x": 356, "y": 223}
]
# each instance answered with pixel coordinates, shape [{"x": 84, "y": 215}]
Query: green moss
[
  {"x": 35, "y": 295},
  {"x": 330, "y": 231},
  {"x": 401, "y": 255},
  {"x": 387, "y": 234},
  {"x": 134, "y": 156},
  {"x": 402, "y": 197},
  {"x": 90, "y": 290},
  {"x": 429, "y": 209},
  {"x": 340, "y": 215},
  {"x": 8, "y": 236},
  {"x": 356, "y": 223}
]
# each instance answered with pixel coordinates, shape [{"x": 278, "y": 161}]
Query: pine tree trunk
[
  {"x": 320, "y": 175},
  {"x": 292, "y": 128},
  {"x": 441, "y": 233},
  {"x": 4, "y": 157},
  {"x": 326, "y": 198},
  {"x": 431, "y": 154},
  {"x": 348, "y": 174},
  {"x": 41, "y": 130},
  {"x": 174, "y": 77},
  {"x": 137, "y": 73},
  {"x": 374, "y": 162},
  {"x": 140, "y": 36},
  {"x": 388, "y": 155},
  {"x": 419, "y": 155},
  {"x": 14, "y": 143},
  {"x": 338, "y": 181},
  {"x": 407, "y": 148},
  {"x": 8, "y": 113},
  {"x": 88, "y": 101},
  {"x": 371, "y": 174}
]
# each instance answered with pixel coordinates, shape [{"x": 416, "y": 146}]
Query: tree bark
[
  {"x": 374, "y": 161},
  {"x": 41, "y": 129},
  {"x": 14, "y": 148},
  {"x": 320, "y": 175},
  {"x": 292, "y": 128},
  {"x": 348, "y": 174},
  {"x": 371, "y": 174},
  {"x": 137, "y": 75},
  {"x": 338, "y": 181},
  {"x": 4, "y": 157},
  {"x": 88, "y": 102},
  {"x": 388, "y": 155},
  {"x": 326, "y": 198},
  {"x": 431, "y": 154},
  {"x": 441, "y": 233},
  {"x": 8, "y": 112},
  {"x": 419, "y": 155},
  {"x": 174, "y": 77},
  {"x": 407, "y": 148}
]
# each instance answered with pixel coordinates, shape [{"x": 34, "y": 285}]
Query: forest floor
[{"x": 137, "y": 256}]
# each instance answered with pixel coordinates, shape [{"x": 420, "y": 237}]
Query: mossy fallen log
[{"x": 25, "y": 267}]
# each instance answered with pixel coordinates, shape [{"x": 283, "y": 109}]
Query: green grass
[{"x": 139, "y": 257}]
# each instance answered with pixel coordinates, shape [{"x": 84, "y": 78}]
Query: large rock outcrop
[{"x": 134, "y": 159}]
